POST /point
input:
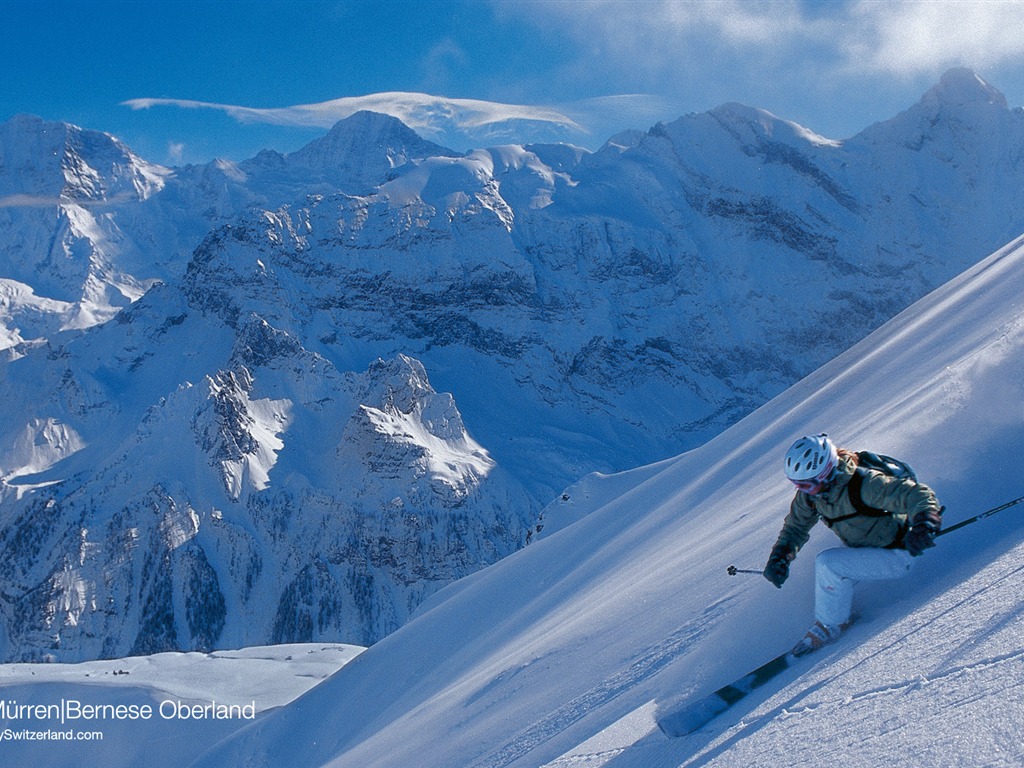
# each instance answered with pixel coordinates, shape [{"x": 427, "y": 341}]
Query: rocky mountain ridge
[{"x": 252, "y": 451}]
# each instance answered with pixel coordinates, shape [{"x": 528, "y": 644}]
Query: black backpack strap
[{"x": 853, "y": 490}]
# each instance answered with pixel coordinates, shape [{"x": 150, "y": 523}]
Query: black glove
[
  {"x": 777, "y": 569},
  {"x": 923, "y": 529}
]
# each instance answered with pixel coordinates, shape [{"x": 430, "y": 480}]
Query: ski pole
[
  {"x": 980, "y": 516},
  {"x": 732, "y": 570}
]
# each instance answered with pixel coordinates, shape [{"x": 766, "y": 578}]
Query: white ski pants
[{"x": 838, "y": 570}]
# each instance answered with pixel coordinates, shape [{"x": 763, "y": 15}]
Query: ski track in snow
[
  {"x": 951, "y": 676},
  {"x": 644, "y": 666},
  {"x": 872, "y": 737}
]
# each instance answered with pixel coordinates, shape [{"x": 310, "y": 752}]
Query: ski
[{"x": 699, "y": 713}]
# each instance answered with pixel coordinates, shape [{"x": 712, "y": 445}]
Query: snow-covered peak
[
  {"x": 44, "y": 162},
  {"x": 386, "y": 137},
  {"x": 405, "y": 430},
  {"x": 356, "y": 155},
  {"x": 64, "y": 194},
  {"x": 764, "y": 124},
  {"x": 30, "y": 152},
  {"x": 961, "y": 86},
  {"x": 400, "y": 383},
  {"x": 961, "y": 111}
]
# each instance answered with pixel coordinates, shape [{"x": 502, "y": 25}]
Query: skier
[{"x": 884, "y": 521}]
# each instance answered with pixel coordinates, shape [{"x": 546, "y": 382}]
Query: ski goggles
[{"x": 815, "y": 485}]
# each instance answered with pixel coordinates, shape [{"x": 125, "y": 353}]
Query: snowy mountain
[
  {"x": 266, "y": 446},
  {"x": 639, "y": 299},
  {"x": 562, "y": 654},
  {"x": 150, "y": 521},
  {"x": 57, "y": 184},
  {"x": 87, "y": 225},
  {"x": 355, "y": 156}
]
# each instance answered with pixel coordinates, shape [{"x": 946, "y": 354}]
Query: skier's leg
[{"x": 837, "y": 570}]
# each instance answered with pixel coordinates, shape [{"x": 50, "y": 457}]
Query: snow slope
[
  {"x": 561, "y": 654},
  {"x": 260, "y": 677}
]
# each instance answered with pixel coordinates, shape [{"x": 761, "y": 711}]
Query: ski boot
[{"x": 818, "y": 636}]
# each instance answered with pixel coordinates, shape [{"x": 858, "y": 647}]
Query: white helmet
[{"x": 811, "y": 458}]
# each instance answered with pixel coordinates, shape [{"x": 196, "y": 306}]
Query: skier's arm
[
  {"x": 796, "y": 529},
  {"x": 900, "y": 496},
  {"x": 906, "y": 497}
]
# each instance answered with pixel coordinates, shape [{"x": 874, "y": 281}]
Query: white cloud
[
  {"x": 441, "y": 63},
  {"x": 43, "y": 201},
  {"x": 837, "y": 62},
  {"x": 30, "y": 201},
  {"x": 175, "y": 152},
  {"x": 421, "y": 112},
  {"x": 608, "y": 115},
  {"x": 916, "y": 36},
  {"x": 905, "y": 37}
]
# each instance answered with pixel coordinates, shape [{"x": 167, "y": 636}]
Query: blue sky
[{"x": 833, "y": 66}]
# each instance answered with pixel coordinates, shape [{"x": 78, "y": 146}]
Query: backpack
[
  {"x": 877, "y": 461},
  {"x": 885, "y": 464}
]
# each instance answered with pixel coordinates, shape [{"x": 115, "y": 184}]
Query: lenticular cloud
[{"x": 421, "y": 112}]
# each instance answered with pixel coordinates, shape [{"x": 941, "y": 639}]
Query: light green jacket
[{"x": 901, "y": 497}]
